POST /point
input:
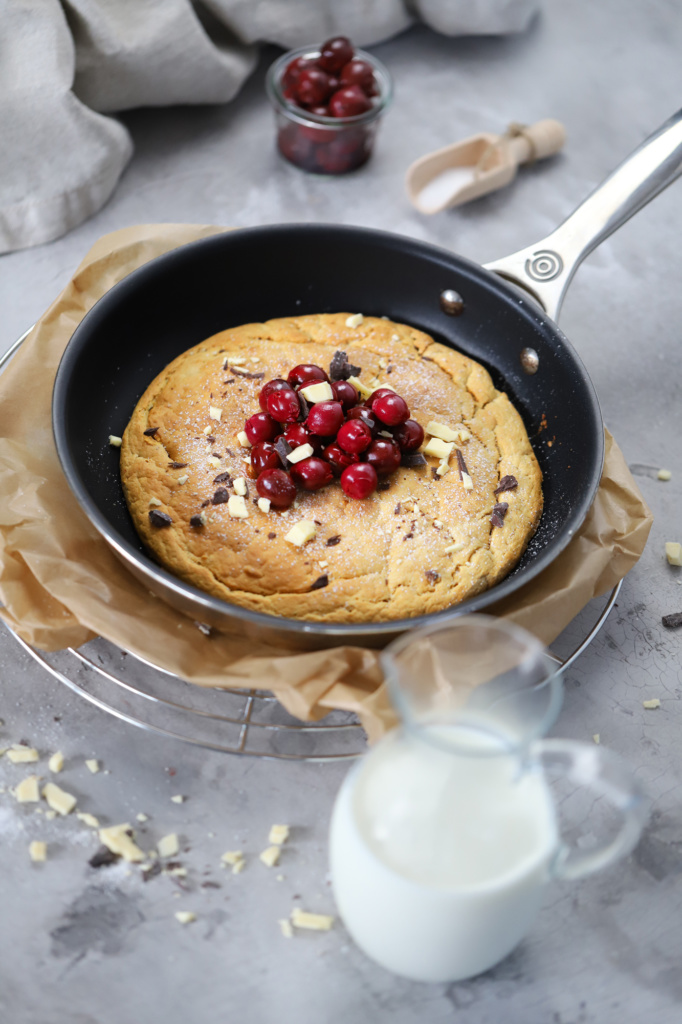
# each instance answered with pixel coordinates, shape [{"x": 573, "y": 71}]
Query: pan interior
[{"x": 177, "y": 300}]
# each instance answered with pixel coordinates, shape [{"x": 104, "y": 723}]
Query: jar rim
[{"x": 301, "y": 116}]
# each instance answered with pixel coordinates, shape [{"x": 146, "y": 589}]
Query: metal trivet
[{"x": 248, "y": 722}]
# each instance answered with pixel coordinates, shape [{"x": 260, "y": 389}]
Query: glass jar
[{"x": 326, "y": 145}]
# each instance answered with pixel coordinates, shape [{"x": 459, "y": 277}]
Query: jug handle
[
  {"x": 605, "y": 775},
  {"x": 546, "y": 268}
]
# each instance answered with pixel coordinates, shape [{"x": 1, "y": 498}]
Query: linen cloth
[{"x": 67, "y": 64}]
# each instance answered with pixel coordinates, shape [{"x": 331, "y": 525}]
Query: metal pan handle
[{"x": 546, "y": 268}]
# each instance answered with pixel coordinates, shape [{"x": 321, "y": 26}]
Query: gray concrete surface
[{"x": 79, "y": 946}]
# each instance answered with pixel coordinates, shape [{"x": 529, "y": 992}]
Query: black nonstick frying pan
[{"x": 256, "y": 274}]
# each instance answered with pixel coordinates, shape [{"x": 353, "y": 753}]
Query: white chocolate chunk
[
  {"x": 92, "y": 764},
  {"x": 243, "y": 439},
  {"x": 87, "y": 819},
  {"x": 270, "y": 856},
  {"x": 314, "y": 922},
  {"x": 177, "y": 872},
  {"x": 37, "y": 851},
  {"x": 453, "y": 548},
  {"x": 56, "y": 762},
  {"x": 232, "y": 857},
  {"x": 236, "y": 507},
  {"x": 240, "y": 487},
  {"x": 361, "y": 388},
  {"x": 673, "y": 552},
  {"x": 323, "y": 563},
  {"x": 467, "y": 482},
  {"x": 154, "y": 501},
  {"x": 183, "y": 479},
  {"x": 215, "y": 413},
  {"x": 178, "y": 799},
  {"x": 386, "y": 433},
  {"x": 650, "y": 705},
  {"x": 21, "y": 755},
  {"x": 213, "y": 461},
  {"x": 354, "y": 320},
  {"x": 142, "y": 817},
  {"x": 115, "y": 441},
  {"x": 278, "y": 834},
  {"x": 663, "y": 474},
  {"x": 442, "y": 431},
  {"x": 185, "y": 916},
  {"x": 439, "y": 449},
  {"x": 238, "y": 867},
  {"x": 235, "y": 360},
  {"x": 285, "y": 928},
  {"x": 302, "y": 531},
  {"x": 443, "y": 468},
  {"x": 118, "y": 839},
  {"x": 27, "y": 790},
  {"x": 264, "y": 504},
  {"x": 438, "y": 524},
  {"x": 596, "y": 738},
  {"x": 304, "y": 451},
  {"x": 206, "y": 430},
  {"x": 59, "y": 800},
  {"x": 320, "y": 391},
  {"x": 464, "y": 434},
  {"x": 168, "y": 845},
  {"x": 50, "y": 815}
]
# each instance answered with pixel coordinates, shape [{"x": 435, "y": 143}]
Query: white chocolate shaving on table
[
  {"x": 673, "y": 552},
  {"x": 185, "y": 916},
  {"x": 178, "y": 799},
  {"x": 234, "y": 859},
  {"x": 168, "y": 845},
  {"x": 87, "y": 819},
  {"x": 313, "y": 922},
  {"x": 19, "y": 754},
  {"x": 663, "y": 474},
  {"x": 26, "y": 792},
  {"x": 270, "y": 856},
  {"x": 58, "y": 799},
  {"x": 279, "y": 833},
  {"x": 652, "y": 704},
  {"x": 37, "y": 851},
  {"x": 56, "y": 762},
  {"x": 285, "y": 928},
  {"x": 92, "y": 765},
  {"x": 119, "y": 839},
  {"x": 115, "y": 441}
]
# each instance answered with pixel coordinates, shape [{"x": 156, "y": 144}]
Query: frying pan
[{"x": 505, "y": 321}]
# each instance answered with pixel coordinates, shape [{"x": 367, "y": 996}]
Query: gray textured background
[{"x": 84, "y": 947}]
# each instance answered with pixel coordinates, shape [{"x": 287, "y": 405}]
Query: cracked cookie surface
[{"x": 421, "y": 545}]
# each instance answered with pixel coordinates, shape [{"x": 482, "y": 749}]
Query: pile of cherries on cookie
[
  {"x": 356, "y": 441},
  {"x": 336, "y": 84}
]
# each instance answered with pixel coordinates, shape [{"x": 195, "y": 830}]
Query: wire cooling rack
[{"x": 236, "y": 721}]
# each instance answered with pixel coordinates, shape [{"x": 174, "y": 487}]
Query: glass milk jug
[{"x": 445, "y": 834}]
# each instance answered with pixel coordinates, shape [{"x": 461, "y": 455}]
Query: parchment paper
[{"x": 61, "y": 585}]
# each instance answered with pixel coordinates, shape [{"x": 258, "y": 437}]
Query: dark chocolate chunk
[
  {"x": 205, "y": 503},
  {"x": 412, "y": 459},
  {"x": 333, "y": 541},
  {"x": 225, "y": 363},
  {"x": 282, "y": 447},
  {"x": 320, "y": 582},
  {"x": 461, "y": 464},
  {"x": 673, "y": 621},
  {"x": 271, "y": 536},
  {"x": 220, "y": 496},
  {"x": 305, "y": 408},
  {"x": 222, "y": 478},
  {"x": 152, "y": 871},
  {"x": 398, "y": 509},
  {"x": 341, "y": 369},
  {"x": 390, "y": 369},
  {"x": 383, "y": 485},
  {"x": 507, "y": 483},
  {"x": 151, "y": 431},
  {"x": 157, "y": 518},
  {"x": 102, "y": 857},
  {"x": 210, "y": 438},
  {"x": 432, "y": 576},
  {"x": 408, "y": 536},
  {"x": 230, "y": 381},
  {"x": 246, "y": 373},
  {"x": 196, "y": 521},
  {"x": 177, "y": 465},
  {"x": 204, "y": 628},
  {"x": 208, "y": 884},
  {"x": 499, "y": 512},
  {"x": 434, "y": 472}
]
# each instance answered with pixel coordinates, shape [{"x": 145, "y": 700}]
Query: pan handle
[{"x": 546, "y": 268}]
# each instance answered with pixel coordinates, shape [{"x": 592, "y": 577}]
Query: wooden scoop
[{"x": 480, "y": 164}]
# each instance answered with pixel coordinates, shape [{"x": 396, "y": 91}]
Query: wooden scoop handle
[{"x": 536, "y": 141}]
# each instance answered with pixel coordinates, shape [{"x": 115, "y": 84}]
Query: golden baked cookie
[{"x": 423, "y": 544}]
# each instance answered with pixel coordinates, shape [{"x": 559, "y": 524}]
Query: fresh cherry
[
  {"x": 272, "y": 385},
  {"x": 335, "y": 53},
  {"x": 384, "y": 455},
  {"x": 278, "y": 486},
  {"x": 296, "y": 435},
  {"x": 354, "y": 436},
  {"x": 349, "y": 102},
  {"x": 391, "y": 409},
  {"x": 359, "y": 480},
  {"x": 345, "y": 393},
  {"x": 313, "y": 86},
  {"x": 361, "y": 412},
  {"x": 261, "y": 427},
  {"x": 409, "y": 435},
  {"x": 312, "y": 474},
  {"x": 338, "y": 459},
  {"x": 358, "y": 72},
  {"x": 284, "y": 406},
  {"x": 264, "y": 456},
  {"x": 292, "y": 72},
  {"x": 379, "y": 393},
  {"x": 325, "y": 418},
  {"x": 305, "y": 373}
]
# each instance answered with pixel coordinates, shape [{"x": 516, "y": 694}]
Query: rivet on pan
[
  {"x": 451, "y": 302},
  {"x": 530, "y": 360}
]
